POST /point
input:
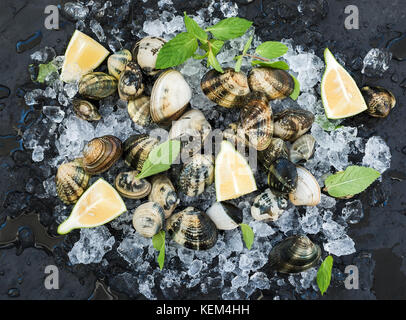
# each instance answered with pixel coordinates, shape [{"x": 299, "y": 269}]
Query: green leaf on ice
[
  {"x": 45, "y": 70},
  {"x": 230, "y": 28},
  {"x": 272, "y": 49},
  {"x": 324, "y": 274},
  {"x": 296, "y": 91},
  {"x": 193, "y": 28},
  {"x": 247, "y": 45},
  {"x": 247, "y": 235},
  {"x": 158, "y": 241},
  {"x": 276, "y": 64}
]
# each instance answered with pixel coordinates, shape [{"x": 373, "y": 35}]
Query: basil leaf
[
  {"x": 276, "y": 65},
  {"x": 160, "y": 158},
  {"x": 352, "y": 181},
  {"x": 158, "y": 242},
  {"x": 212, "y": 61},
  {"x": 215, "y": 44},
  {"x": 230, "y": 28},
  {"x": 272, "y": 49},
  {"x": 247, "y": 45},
  {"x": 193, "y": 28},
  {"x": 296, "y": 91},
  {"x": 161, "y": 257},
  {"x": 177, "y": 50},
  {"x": 324, "y": 274},
  {"x": 247, "y": 235}
]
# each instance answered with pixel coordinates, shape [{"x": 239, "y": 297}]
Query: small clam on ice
[
  {"x": 136, "y": 150},
  {"x": 130, "y": 85},
  {"x": 163, "y": 192},
  {"x": 302, "y": 149},
  {"x": 291, "y": 124},
  {"x": 225, "y": 215},
  {"x": 146, "y": 51},
  {"x": 148, "y": 219},
  {"x": 282, "y": 177},
  {"x": 268, "y": 206},
  {"x": 97, "y": 85},
  {"x": 130, "y": 187},
  {"x": 307, "y": 191}
]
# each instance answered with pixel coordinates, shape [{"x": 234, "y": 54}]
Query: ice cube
[
  {"x": 53, "y": 113},
  {"x": 195, "y": 268},
  {"x": 97, "y": 30},
  {"x": 377, "y": 154},
  {"x": 340, "y": 247},
  {"x": 76, "y": 10},
  {"x": 260, "y": 280},
  {"x": 311, "y": 221},
  {"x": 376, "y": 62},
  {"x": 353, "y": 212},
  {"x": 240, "y": 280},
  {"x": 38, "y": 154}
]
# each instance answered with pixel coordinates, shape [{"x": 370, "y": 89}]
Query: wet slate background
[{"x": 380, "y": 237}]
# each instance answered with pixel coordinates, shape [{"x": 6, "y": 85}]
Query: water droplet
[
  {"x": 13, "y": 293},
  {"x": 29, "y": 43}
]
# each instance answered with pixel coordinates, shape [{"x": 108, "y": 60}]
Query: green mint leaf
[
  {"x": 199, "y": 57},
  {"x": 212, "y": 61},
  {"x": 324, "y": 274},
  {"x": 158, "y": 242},
  {"x": 326, "y": 124},
  {"x": 272, "y": 49},
  {"x": 161, "y": 257},
  {"x": 177, "y": 50},
  {"x": 296, "y": 91},
  {"x": 247, "y": 45},
  {"x": 45, "y": 70},
  {"x": 352, "y": 181},
  {"x": 237, "y": 67},
  {"x": 247, "y": 235},
  {"x": 215, "y": 44},
  {"x": 160, "y": 158},
  {"x": 230, "y": 28},
  {"x": 276, "y": 65},
  {"x": 193, "y": 28}
]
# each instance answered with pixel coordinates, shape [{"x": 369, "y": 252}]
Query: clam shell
[
  {"x": 163, "y": 192},
  {"x": 192, "y": 229},
  {"x": 227, "y": 89},
  {"x": 294, "y": 254},
  {"x": 302, "y": 149},
  {"x": 86, "y": 110},
  {"x": 139, "y": 111},
  {"x": 136, "y": 150},
  {"x": 307, "y": 192},
  {"x": 276, "y": 149},
  {"x": 196, "y": 175},
  {"x": 291, "y": 124},
  {"x": 97, "y": 85},
  {"x": 130, "y": 187},
  {"x": 268, "y": 206},
  {"x": 116, "y": 62},
  {"x": 71, "y": 181},
  {"x": 101, "y": 153},
  {"x": 256, "y": 121},
  {"x": 282, "y": 177},
  {"x": 146, "y": 51},
  {"x": 170, "y": 96},
  {"x": 148, "y": 219},
  {"x": 225, "y": 215},
  {"x": 379, "y": 101},
  {"x": 130, "y": 85},
  {"x": 275, "y": 83}
]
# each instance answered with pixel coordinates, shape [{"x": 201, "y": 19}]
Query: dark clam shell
[
  {"x": 97, "y": 85},
  {"x": 116, "y": 62},
  {"x": 139, "y": 111},
  {"x": 282, "y": 177},
  {"x": 192, "y": 229},
  {"x": 276, "y": 149},
  {"x": 136, "y": 150},
  {"x": 294, "y": 254},
  {"x": 268, "y": 206},
  {"x": 227, "y": 89},
  {"x": 291, "y": 124},
  {"x": 130, "y": 85},
  {"x": 379, "y": 101},
  {"x": 302, "y": 149},
  {"x": 130, "y": 187},
  {"x": 86, "y": 110}
]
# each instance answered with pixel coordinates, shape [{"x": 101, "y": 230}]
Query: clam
[
  {"x": 97, "y": 85},
  {"x": 116, "y": 62},
  {"x": 71, "y": 181},
  {"x": 130, "y": 187},
  {"x": 138, "y": 109},
  {"x": 225, "y": 215},
  {"x": 163, "y": 192},
  {"x": 192, "y": 229},
  {"x": 282, "y": 177},
  {"x": 294, "y": 254},
  {"x": 275, "y": 83},
  {"x": 148, "y": 219},
  {"x": 101, "y": 153},
  {"x": 170, "y": 96},
  {"x": 276, "y": 149},
  {"x": 379, "y": 101},
  {"x": 227, "y": 89},
  {"x": 302, "y": 149},
  {"x": 197, "y": 174},
  {"x": 86, "y": 110},
  {"x": 191, "y": 129},
  {"x": 130, "y": 85},
  {"x": 268, "y": 206},
  {"x": 291, "y": 124},
  {"x": 136, "y": 150},
  {"x": 256, "y": 121},
  {"x": 146, "y": 51},
  {"x": 307, "y": 191}
]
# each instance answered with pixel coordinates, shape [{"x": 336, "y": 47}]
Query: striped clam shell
[
  {"x": 275, "y": 83},
  {"x": 276, "y": 149},
  {"x": 170, "y": 96},
  {"x": 227, "y": 89},
  {"x": 302, "y": 148},
  {"x": 379, "y": 101},
  {"x": 136, "y": 150},
  {"x": 116, "y": 62},
  {"x": 101, "y": 153},
  {"x": 282, "y": 176},
  {"x": 71, "y": 181},
  {"x": 196, "y": 175},
  {"x": 97, "y": 85},
  {"x": 130, "y": 187},
  {"x": 268, "y": 206},
  {"x": 86, "y": 110},
  {"x": 256, "y": 120},
  {"x": 291, "y": 124},
  {"x": 294, "y": 254},
  {"x": 146, "y": 51},
  {"x": 139, "y": 112},
  {"x": 163, "y": 192},
  {"x": 148, "y": 219},
  {"x": 192, "y": 229},
  {"x": 130, "y": 85}
]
